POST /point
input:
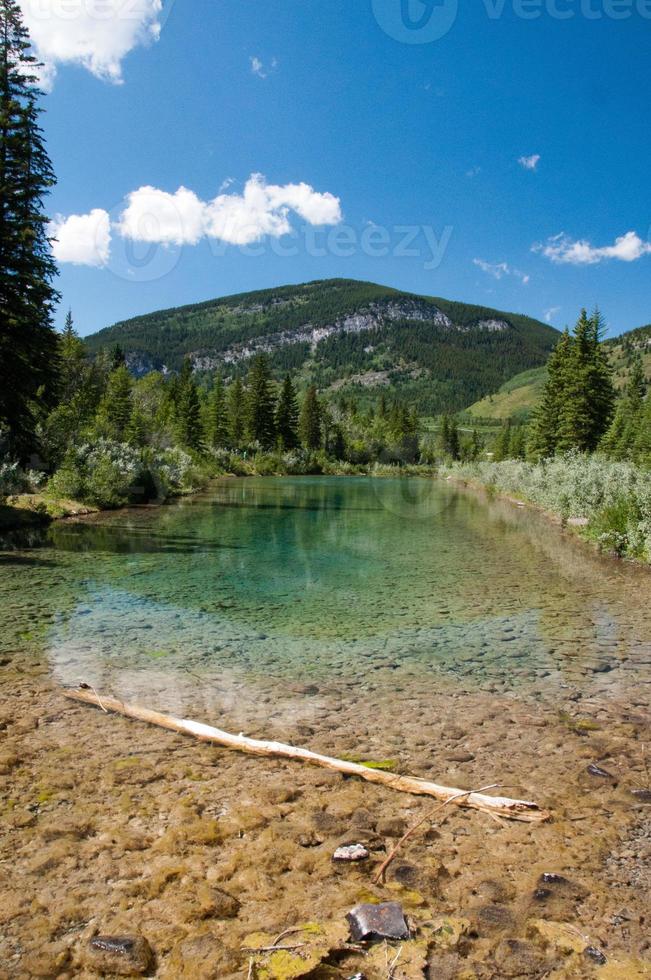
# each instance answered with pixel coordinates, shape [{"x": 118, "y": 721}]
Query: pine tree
[
  {"x": 449, "y": 444},
  {"x": 188, "y": 410},
  {"x": 473, "y": 447},
  {"x": 518, "y": 446},
  {"x": 72, "y": 361},
  {"x": 310, "y": 422},
  {"x": 502, "y": 448},
  {"x": 261, "y": 423},
  {"x": 642, "y": 447},
  {"x": 545, "y": 424},
  {"x": 287, "y": 415},
  {"x": 587, "y": 406},
  {"x": 216, "y": 416},
  {"x": 116, "y": 407},
  {"x": 28, "y": 342},
  {"x": 621, "y": 438},
  {"x": 236, "y": 413}
]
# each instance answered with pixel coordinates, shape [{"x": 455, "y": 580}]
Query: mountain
[
  {"x": 517, "y": 398},
  {"x": 343, "y": 335}
]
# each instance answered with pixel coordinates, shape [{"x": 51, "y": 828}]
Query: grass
[{"x": 515, "y": 400}]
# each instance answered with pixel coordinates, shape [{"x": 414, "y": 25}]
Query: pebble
[
  {"x": 459, "y": 757},
  {"x": 595, "y": 955},
  {"x": 598, "y": 772},
  {"x": 125, "y": 956},
  {"x": 351, "y": 853}
]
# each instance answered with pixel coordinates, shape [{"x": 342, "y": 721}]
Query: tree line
[{"x": 100, "y": 398}]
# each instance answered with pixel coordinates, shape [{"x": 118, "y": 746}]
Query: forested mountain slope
[{"x": 341, "y": 335}]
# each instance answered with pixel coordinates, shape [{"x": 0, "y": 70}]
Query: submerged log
[{"x": 494, "y": 805}]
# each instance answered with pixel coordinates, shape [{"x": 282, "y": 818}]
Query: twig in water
[
  {"x": 380, "y": 876},
  {"x": 275, "y": 949},
  {"x": 284, "y": 934},
  {"x": 390, "y": 969},
  {"x": 99, "y": 700}
]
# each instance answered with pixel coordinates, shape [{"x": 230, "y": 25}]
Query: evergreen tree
[
  {"x": 311, "y": 420},
  {"x": 236, "y": 413},
  {"x": 28, "y": 343},
  {"x": 472, "y": 448},
  {"x": 642, "y": 446},
  {"x": 518, "y": 446},
  {"x": 546, "y": 420},
  {"x": 261, "y": 423},
  {"x": 502, "y": 449},
  {"x": 287, "y": 415},
  {"x": 578, "y": 400},
  {"x": 188, "y": 409},
  {"x": 587, "y": 407},
  {"x": 116, "y": 407},
  {"x": 622, "y": 437},
  {"x": 216, "y": 416},
  {"x": 449, "y": 444},
  {"x": 72, "y": 361}
]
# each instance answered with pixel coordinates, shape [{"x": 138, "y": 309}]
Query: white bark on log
[{"x": 497, "y": 805}]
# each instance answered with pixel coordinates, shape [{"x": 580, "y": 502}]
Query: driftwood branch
[{"x": 504, "y": 807}]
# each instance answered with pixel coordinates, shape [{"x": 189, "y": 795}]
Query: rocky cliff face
[{"x": 371, "y": 318}]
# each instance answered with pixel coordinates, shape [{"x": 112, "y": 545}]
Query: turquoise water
[{"x": 260, "y": 585}]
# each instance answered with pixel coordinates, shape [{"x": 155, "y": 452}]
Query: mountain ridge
[{"x": 432, "y": 351}]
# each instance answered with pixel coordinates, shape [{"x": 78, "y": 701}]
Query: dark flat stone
[{"x": 371, "y": 923}]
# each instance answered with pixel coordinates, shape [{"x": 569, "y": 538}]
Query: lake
[
  {"x": 325, "y": 579},
  {"x": 397, "y": 621}
]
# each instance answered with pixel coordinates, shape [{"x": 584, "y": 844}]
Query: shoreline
[{"x": 572, "y": 528}]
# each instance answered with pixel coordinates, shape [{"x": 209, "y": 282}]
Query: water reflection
[{"x": 261, "y": 583}]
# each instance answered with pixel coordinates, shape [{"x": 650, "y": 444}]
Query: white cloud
[
  {"x": 262, "y": 209},
  {"x": 152, "y": 215},
  {"x": 498, "y": 270},
  {"x": 561, "y": 249},
  {"x": 259, "y": 68},
  {"x": 82, "y": 239},
  {"x": 530, "y": 163},
  {"x": 97, "y": 34},
  {"x": 552, "y": 313},
  {"x": 473, "y": 172}
]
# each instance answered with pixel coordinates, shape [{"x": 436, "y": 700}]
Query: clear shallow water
[{"x": 232, "y": 600}]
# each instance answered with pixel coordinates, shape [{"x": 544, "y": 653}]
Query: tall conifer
[
  {"x": 216, "y": 416},
  {"x": 261, "y": 403},
  {"x": 236, "y": 413},
  {"x": 28, "y": 343},
  {"x": 287, "y": 415},
  {"x": 310, "y": 421}
]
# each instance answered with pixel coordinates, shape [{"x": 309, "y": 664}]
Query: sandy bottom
[{"x": 112, "y": 827}]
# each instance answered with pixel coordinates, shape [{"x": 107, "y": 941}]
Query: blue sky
[{"x": 505, "y": 163}]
